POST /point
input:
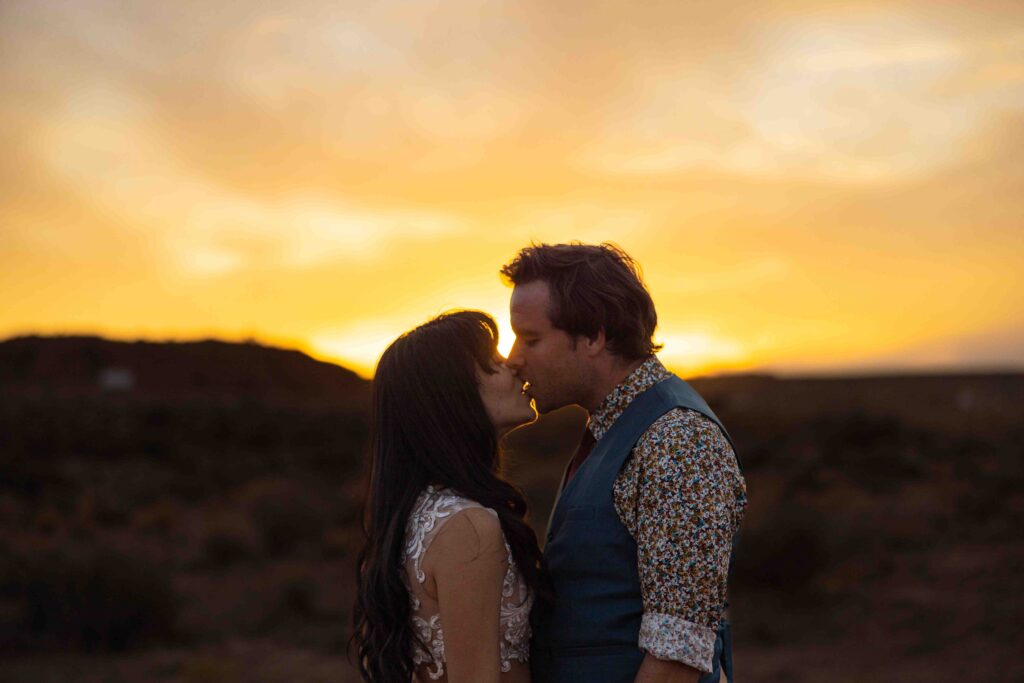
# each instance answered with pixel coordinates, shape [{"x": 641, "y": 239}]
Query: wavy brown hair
[
  {"x": 593, "y": 287},
  {"x": 429, "y": 426}
]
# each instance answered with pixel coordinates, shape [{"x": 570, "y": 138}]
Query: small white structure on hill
[{"x": 116, "y": 379}]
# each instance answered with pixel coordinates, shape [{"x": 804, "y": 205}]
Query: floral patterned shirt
[{"x": 682, "y": 496}]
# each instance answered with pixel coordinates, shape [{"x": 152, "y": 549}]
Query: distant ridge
[
  {"x": 71, "y": 365},
  {"x": 868, "y": 374},
  {"x": 946, "y": 400}
]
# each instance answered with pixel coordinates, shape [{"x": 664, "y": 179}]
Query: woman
[{"x": 450, "y": 569}]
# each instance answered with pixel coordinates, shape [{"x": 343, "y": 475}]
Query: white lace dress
[{"x": 432, "y": 510}]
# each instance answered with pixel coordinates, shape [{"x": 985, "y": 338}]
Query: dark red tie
[{"x": 582, "y": 451}]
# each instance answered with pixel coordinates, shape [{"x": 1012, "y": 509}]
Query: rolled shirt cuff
[{"x": 673, "y": 638}]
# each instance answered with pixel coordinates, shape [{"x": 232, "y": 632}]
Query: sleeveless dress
[{"x": 433, "y": 509}]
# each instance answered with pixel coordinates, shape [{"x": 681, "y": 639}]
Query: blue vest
[{"x": 590, "y": 634}]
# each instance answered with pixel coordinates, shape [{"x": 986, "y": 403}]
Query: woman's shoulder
[
  {"x": 436, "y": 505},
  {"x": 473, "y": 533},
  {"x": 475, "y": 526}
]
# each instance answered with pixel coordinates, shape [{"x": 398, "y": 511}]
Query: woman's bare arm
[{"x": 468, "y": 561}]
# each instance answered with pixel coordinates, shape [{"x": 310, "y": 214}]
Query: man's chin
[
  {"x": 526, "y": 420},
  {"x": 532, "y": 414},
  {"x": 543, "y": 408}
]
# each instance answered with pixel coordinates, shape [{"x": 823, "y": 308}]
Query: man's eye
[{"x": 531, "y": 342}]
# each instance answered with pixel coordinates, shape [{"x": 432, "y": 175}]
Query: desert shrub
[
  {"x": 158, "y": 518},
  {"x": 127, "y": 485},
  {"x": 879, "y": 453},
  {"x": 89, "y": 599},
  {"x": 228, "y": 539},
  {"x": 341, "y": 542},
  {"x": 758, "y": 456},
  {"x": 299, "y": 595},
  {"x": 12, "y": 509},
  {"x": 330, "y": 443},
  {"x": 286, "y": 518},
  {"x": 786, "y": 552},
  {"x": 290, "y": 609},
  {"x": 223, "y": 549},
  {"x": 194, "y": 448},
  {"x": 201, "y": 668}
]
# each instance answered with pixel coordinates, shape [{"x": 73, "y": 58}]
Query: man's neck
[{"x": 614, "y": 376}]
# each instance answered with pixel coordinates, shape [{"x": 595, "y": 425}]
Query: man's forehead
[{"x": 529, "y": 305}]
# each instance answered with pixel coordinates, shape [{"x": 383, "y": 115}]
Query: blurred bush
[
  {"x": 89, "y": 599},
  {"x": 228, "y": 540},
  {"x": 286, "y": 515},
  {"x": 210, "y": 669},
  {"x": 785, "y": 553},
  {"x": 151, "y": 448},
  {"x": 160, "y": 518}
]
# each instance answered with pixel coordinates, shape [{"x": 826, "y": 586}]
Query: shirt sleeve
[{"x": 687, "y": 501}]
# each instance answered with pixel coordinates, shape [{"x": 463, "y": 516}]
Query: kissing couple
[{"x": 631, "y": 584}]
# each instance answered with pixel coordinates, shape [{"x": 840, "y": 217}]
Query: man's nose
[{"x": 514, "y": 360}]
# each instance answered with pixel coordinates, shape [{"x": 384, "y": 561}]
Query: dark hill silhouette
[{"x": 75, "y": 365}]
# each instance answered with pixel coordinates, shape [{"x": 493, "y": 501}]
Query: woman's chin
[{"x": 529, "y": 416}]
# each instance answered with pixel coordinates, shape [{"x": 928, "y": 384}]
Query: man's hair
[{"x": 593, "y": 288}]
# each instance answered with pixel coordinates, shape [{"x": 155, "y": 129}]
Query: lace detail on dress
[
  {"x": 515, "y": 616},
  {"x": 432, "y": 509}
]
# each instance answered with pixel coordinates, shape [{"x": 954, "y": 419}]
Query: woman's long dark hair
[{"x": 429, "y": 426}]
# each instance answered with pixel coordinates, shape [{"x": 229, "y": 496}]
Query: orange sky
[{"x": 810, "y": 186}]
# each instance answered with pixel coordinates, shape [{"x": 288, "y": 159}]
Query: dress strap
[{"x": 431, "y": 512}]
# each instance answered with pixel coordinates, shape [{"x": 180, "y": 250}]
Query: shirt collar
[{"x": 640, "y": 380}]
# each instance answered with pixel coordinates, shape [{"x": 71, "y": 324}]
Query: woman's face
[{"x": 503, "y": 397}]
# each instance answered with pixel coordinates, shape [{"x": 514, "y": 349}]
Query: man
[{"x": 639, "y": 543}]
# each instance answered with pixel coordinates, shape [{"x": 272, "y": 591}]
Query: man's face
[{"x": 543, "y": 355}]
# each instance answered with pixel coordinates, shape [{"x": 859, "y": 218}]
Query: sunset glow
[{"x": 809, "y": 187}]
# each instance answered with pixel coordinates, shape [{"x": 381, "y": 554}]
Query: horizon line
[{"x": 849, "y": 372}]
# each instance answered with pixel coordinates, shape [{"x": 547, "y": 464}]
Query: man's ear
[{"x": 594, "y": 346}]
